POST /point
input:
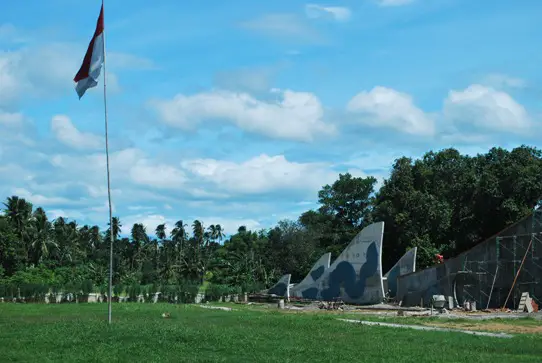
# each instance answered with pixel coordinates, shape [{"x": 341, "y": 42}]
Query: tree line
[{"x": 443, "y": 202}]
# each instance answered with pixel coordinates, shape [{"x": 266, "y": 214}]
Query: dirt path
[{"x": 494, "y": 327}]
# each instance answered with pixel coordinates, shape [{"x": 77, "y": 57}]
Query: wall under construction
[{"x": 485, "y": 273}]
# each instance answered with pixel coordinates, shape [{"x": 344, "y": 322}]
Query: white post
[{"x": 111, "y": 234}]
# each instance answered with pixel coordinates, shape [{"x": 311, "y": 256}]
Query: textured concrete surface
[
  {"x": 356, "y": 275},
  {"x": 469, "y": 276},
  {"x": 405, "y": 265},
  {"x": 317, "y": 270},
  {"x": 428, "y": 328},
  {"x": 282, "y": 287}
]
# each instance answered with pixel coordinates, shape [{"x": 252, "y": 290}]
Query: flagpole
[{"x": 111, "y": 232}]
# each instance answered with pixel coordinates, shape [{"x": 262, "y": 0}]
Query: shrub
[
  {"x": 87, "y": 287},
  {"x": 133, "y": 292}
]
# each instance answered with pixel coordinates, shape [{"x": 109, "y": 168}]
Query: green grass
[{"x": 80, "y": 333}]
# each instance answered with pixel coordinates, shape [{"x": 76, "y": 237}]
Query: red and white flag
[{"x": 88, "y": 74}]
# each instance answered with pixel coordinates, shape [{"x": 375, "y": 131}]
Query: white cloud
[
  {"x": 149, "y": 221},
  {"x": 127, "y": 164},
  {"x": 158, "y": 175},
  {"x": 48, "y": 70},
  {"x": 41, "y": 200},
  {"x": 129, "y": 61},
  {"x": 10, "y": 85},
  {"x": 295, "y": 115},
  {"x": 336, "y": 12},
  {"x": 288, "y": 26},
  {"x": 389, "y": 108},
  {"x": 497, "y": 80},
  {"x": 11, "y": 118},
  {"x": 394, "y": 2},
  {"x": 231, "y": 225},
  {"x": 256, "y": 79},
  {"x": 71, "y": 214},
  {"x": 10, "y": 34},
  {"x": 68, "y": 134},
  {"x": 104, "y": 208},
  {"x": 486, "y": 108},
  {"x": 262, "y": 174}
]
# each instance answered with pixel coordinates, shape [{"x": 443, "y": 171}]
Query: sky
[{"x": 238, "y": 112}]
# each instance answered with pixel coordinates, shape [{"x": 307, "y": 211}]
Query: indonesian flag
[{"x": 88, "y": 74}]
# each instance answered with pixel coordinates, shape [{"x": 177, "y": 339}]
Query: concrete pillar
[{"x": 281, "y": 304}]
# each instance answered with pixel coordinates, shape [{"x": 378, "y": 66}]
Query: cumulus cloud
[
  {"x": 286, "y": 26},
  {"x": 10, "y": 85},
  {"x": 42, "y": 200},
  {"x": 68, "y": 134},
  {"x": 256, "y": 79},
  {"x": 118, "y": 60},
  {"x": 394, "y": 2},
  {"x": 157, "y": 175},
  {"x": 262, "y": 174},
  {"x": 127, "y": 164},
  {"x": 497, "y": 80},
  {"x": 11, "y": 118},
  {"x": 294, "y": 116},
  {"x": 48, "y": 70},
  {"x": 486, "y": 108},
  {"x": 386, "y": 107},
  {"x": 336, "y": 12}
]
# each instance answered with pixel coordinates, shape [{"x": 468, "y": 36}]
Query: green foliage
[
  {"x": 87, "y": 287},
  {"x": 216, "y": 291},
  {"x": 444, "y": 202},
  {"x": 134, "y": 291},
  {"x": 118, "y": 289}
]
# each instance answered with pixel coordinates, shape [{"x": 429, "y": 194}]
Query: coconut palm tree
[
  {"x": 41, "y": 238},
  {"x": 19, "y": 212}
]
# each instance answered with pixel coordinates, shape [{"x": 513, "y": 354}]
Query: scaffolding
[{"x": 487, "y": 273}]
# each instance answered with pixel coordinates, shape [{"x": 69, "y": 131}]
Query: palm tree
[
  {"x": 160, "y": 232},
  {"x": 19, "y": 212},
  {"x": 219, "y": 232},
  {"x": 42, "y": 242},
  {"x": 117, "y": 229},
  {"x": 178, "y": 235},
  {"x": 139, "y": 239}
]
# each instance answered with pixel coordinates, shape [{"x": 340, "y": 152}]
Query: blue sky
[{"x": 238, "y": 112}]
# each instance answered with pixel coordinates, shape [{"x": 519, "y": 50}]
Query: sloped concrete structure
[
  {"x": 405, "y": 265},
  {"x": 356, "y": 275},
  {"x": 282, "y": 287},
  {"x": 486, "y": 272},
  {"x": 317, "y": 270}
]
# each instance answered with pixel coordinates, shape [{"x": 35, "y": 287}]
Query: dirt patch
[{"x": 493, "y": 327}]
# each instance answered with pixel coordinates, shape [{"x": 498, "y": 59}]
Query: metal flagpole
[{"x": 111, "y": 232}]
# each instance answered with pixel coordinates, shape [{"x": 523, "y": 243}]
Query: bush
[
  {"x": 215, "y": 291},
  {"x": 117, "y": 290},
  {"x": 252, "y": 287},
  {"x": 187, "y": 291},
  {"x": 87, "y": 287},
  {"x": 133, "y": 292}
]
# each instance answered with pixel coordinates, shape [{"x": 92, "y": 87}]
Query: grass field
[{"x": 80, "y": 333}]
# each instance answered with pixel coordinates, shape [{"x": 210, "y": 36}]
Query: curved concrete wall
[
  {"x": 317, "y": 270},
  {"x": 356, "y": 275},
  {"x": 282, "y": 287},
  {"x": 405, "y": 265},
  {"x": 471, "y": 274}
]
